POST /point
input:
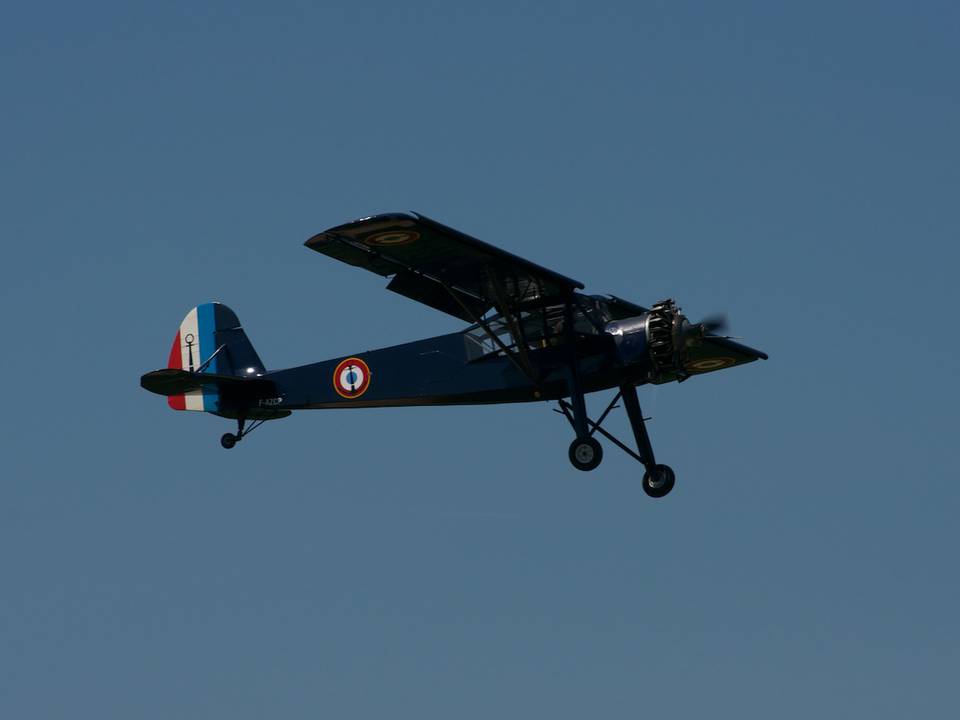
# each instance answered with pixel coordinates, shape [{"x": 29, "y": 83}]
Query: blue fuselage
[{"x": 438, "y": 371}]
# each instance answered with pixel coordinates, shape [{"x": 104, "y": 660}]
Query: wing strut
[
  {"x": 493, "y": 336},
  {"x": 515, "y": 329}
]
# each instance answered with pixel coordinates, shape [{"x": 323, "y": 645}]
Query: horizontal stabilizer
[{"x": 173, "y": 381}]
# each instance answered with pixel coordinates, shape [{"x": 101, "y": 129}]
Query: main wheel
[
  {"x": 228, "y": 440},
  {"x": 585, "y": 453},
  {"x": 658, "y": 483}
]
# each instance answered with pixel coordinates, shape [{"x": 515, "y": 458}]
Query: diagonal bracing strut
[{"x": 629, "y": 394}]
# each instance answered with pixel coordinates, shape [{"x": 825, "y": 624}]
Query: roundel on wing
[
  {"x": 392, "y": 237},
  {"x": 710, "y": 364},
  {"x": 351, "y": 378}
]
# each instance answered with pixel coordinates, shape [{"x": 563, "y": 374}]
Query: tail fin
[{"x": 211, "y": 341}]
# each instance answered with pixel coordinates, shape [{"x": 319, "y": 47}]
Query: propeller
[
  {"x": 669, "y": 334},
  {"x": 713, "y": 324},
  {"x": 710, "y": 326}
]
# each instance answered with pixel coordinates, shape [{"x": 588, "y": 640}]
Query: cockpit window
[{"x": 538, "y": 328}]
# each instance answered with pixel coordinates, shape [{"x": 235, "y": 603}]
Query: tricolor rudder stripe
[{"x": 194, "y": 344}]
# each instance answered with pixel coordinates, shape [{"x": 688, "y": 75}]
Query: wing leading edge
[{"x": 441, "y": 267}]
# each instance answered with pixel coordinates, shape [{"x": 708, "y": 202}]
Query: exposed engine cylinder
[{"x": 656, "y": 338}]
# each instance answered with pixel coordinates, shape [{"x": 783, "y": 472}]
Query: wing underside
[
  {"x": 717, "y": 353},
  {"x": 442, "y": 267}
]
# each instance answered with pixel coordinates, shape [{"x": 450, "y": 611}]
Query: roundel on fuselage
[{"x": 351, "y": 378}]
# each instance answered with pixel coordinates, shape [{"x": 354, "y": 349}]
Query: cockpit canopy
[{"x": 542, "y": 327}]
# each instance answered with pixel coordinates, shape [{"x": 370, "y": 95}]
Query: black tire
[
  {"x": 659, "y": 482},
  {"x": 228, "y": 440},
  {"x": 585, "y": 453}
]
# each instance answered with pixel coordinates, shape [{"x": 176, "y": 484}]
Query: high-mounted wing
[{"x": 442, "y": 267}]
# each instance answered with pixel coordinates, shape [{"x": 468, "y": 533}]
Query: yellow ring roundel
[
  {"x": 392, "y": 237},
  {"x": 351, "y": 378},
  {"x": 711, "y": 363}
]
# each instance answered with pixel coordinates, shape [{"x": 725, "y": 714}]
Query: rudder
[{"x": 210, "y": 340}]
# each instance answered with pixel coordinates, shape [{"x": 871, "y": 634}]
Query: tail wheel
[
  {"x": 585, "y": 453},
  {"x": 228, "y": 440},
  {"x": 659, "y": 481}
]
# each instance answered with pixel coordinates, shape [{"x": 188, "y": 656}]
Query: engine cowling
[{"x": 658, "y": 338}]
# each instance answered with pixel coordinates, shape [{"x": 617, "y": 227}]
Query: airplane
[{"x": 532, "y": 337}]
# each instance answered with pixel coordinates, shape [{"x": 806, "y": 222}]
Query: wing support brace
[
  {"x": 522, "y": 364},
  {"x": 510, "y": 355},
  {"x": 516, "y": 330},
  {"x": 519, "y": 358}
]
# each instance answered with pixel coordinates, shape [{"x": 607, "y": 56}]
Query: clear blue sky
[{"x": 794, "y": 166}]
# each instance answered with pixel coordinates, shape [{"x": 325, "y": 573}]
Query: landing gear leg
[
  {"x": 228, "y": 440},
  {"x": 585, "y": 452},
  {"x": 658, "y": 480}
]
